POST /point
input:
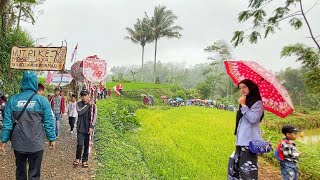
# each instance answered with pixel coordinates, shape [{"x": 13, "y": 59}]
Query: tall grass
[
  {"x": 117, "y": 157},
  {"x": 186, "y": 142}
]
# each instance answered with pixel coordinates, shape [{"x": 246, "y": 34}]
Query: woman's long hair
[{"x": 251, "y": 98}]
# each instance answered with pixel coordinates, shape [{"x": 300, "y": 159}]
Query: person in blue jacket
[{"x": 27, "y": 136}]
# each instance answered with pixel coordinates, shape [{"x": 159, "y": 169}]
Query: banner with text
[{"x": 38, "y": 58}]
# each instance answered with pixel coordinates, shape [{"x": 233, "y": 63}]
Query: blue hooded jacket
[{"x": 28, "y": 134}]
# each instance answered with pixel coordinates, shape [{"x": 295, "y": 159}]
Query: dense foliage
[
  {"x": 117, "y": 157},
  {"x": 11, "y": 77}
]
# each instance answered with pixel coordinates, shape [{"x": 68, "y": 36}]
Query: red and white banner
[
  {"x": 94, "y": 69},
  {"x": 91, "y": 69},
  {"x": 49, "y": 77},
  {"x": 117, "y": 89}
]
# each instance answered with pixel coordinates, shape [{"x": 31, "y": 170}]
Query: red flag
[
  {"x": 73, "y": 56},
  {"x": 49, "y": 77},
  {"x": 117, "y": 89},
  {"x": 101, "y": 86}
]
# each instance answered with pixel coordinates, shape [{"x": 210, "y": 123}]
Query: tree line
[{"x": 210, "y": 80}]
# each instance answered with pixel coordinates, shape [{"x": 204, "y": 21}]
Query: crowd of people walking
[{"x": 29, "y": 117}]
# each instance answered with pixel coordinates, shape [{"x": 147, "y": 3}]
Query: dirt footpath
[
  {"x": 57, "y": 163},
  {"x": 267, "y": 171}
]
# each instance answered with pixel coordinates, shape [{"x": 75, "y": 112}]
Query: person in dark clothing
[
  {"x": 86, "y": 115},
  {"x": 3, "y": 101},
  {"x": 27, "y": 136}
]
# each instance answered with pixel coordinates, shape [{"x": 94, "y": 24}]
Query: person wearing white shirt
[{"x": 72, "y": 111}]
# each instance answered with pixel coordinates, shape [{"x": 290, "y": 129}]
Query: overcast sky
[{"x": 98, "y": 26}]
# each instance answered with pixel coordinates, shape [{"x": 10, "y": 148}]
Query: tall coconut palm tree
[
  {"x": 142, "y": 34},
  {"x": 162, "y": 24}
]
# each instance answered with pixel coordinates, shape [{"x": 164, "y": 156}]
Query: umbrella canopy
[
  {"x": 91, "y": 69},
  {"x": 60, "y": 77},
  {"x": 179, "y": 99},
  {"x": 163, "y": 97},
  {"x": 275, "y": 97},
  {"x": 76, "y": 71}
]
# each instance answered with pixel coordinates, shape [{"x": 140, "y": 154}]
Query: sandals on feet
[
  {"x": 85, "y": 164},
  {"x": 76, "y": 162}
]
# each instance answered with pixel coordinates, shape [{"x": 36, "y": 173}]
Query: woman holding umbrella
[{"x": 247, "y": 129}]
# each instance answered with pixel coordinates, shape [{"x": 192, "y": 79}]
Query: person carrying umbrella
[{"x": 247, "y": 129}]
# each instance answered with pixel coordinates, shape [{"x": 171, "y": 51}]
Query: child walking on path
[
  {"x": 288, "y": 154},
  {"x": 72, "y": 111}
]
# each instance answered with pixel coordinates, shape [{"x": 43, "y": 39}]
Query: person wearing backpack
[
  {"x": 288, "y": 154},
  {"x": 28, "y": 118}
]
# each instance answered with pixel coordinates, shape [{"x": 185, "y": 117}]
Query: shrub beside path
[{"x": 57, "y": 163}]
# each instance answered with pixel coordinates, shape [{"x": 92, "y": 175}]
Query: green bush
[
  {"x": 123, "y": 118},
  {"x": 121, "y": 113},
  {"x": 11, "y": 77},
  {"x": 116, "y": 158}
]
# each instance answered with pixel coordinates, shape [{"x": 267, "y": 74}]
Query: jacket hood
[{"x": 29, "y": 81}]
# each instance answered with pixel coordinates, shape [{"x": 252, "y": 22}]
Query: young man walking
[
  {"x": 86, "y": 115},
  {"x": 26, "y": 126}
]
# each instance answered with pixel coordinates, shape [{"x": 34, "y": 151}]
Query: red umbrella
[{"x": 275, "y": 97}]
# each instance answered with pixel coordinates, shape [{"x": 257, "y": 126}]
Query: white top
[{"x": 72, "y": 109}]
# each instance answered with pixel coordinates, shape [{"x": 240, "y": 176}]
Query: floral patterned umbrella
[{"x": 275, "y": 97}]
